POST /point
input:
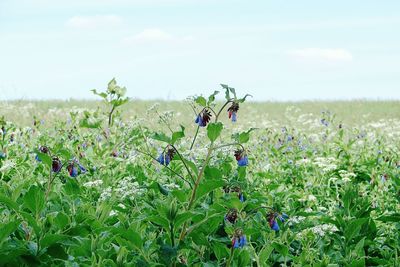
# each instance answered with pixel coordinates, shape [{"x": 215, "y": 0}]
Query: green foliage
[{"x": 339, "y": 187}]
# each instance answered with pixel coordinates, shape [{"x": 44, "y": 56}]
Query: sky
[{"x": 169, "y": 49}]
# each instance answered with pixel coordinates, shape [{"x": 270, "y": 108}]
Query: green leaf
[
  {"x": 241, "y": 100},
  {"x": 163, "y": 222},
  {"x": 265, "y": 253},
  {"x": 34, "y": 199},
  {"x": 221, "y": 251},
  {"x": 214, "y": 130},
  {"x": 161, "y": 137},
  {"x": 211, "y": 98},
  {"x": 133, "y": 237},
  {"x": 103, "y": 95},
  {"x": 208, "y": 186},
  {"x": 46, "y": 159},
  {"x": 61, "y": 220},
  {"x": 7, "y": 229},
  {"x": 182, "y": 217},
  {"x": 244, "y": 258},
  {"x": 243, "y": 137},
  {"x": 50, "y": 239},
  {"x": 178, "y": 135},
  {"x": 282, "y": 249},
  {"x": 201, "y": 101},
  {"x": 353, "y": 228},
  {"x": 389, "y": 218}
]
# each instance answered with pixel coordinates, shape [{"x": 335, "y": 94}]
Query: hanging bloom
[
  {"x": 203, "y": 118},
  {"x": 44, "y": 150},
  {"x": 283, "y": 217},
  {"x": 56, "y": 165},
  {"x": 232, "y": 111},
  {"x": 231, "y": 216},
  {"x": 166, "y": 157},
  {"x": 72, "y": 170},
  {"x": 273, "y": 223},
  {"x": 239, "y": 239},
  {"x": 325, "y": 122},
  {"x": 241, "y": 158},
  {"x": 83, "y": 169}
]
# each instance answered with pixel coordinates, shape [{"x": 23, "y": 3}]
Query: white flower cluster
[
  {"x": 323, "y": 229},
  {"x": 128, "y": 188},
  {"x": 326, "y": 164},
  {"x": 94, "y": 183},
  {"x": 8, "y": 164},
  {"x": 346, "y": 176}
]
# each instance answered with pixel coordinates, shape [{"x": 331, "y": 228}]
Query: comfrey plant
[
  {"x": 201, "y": 180},
  {"x": 114, "y": 97}
]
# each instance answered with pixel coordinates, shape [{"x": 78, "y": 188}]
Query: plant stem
[
  {"x": 195, "y": 136},
  {"x": 184, "y": 163},
  {"x": 177, "y": 174},
  {"x": 110, "y": 116}
]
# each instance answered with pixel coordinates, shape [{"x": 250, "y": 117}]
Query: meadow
[{"x": 204, "y": 182}]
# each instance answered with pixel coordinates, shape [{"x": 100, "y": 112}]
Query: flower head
[
  {"x": 203, "y": 118},
  {"x": 44, "y": 150},
  {"x": 72, "y": 170},
  {"x": 56, "y": 165},
  {"x": 241, "y": 158},
  {"x": 166, "y": 157},
  {"x": 239, "y": 240},
  {"x": 232, "y": 111},
  {"x": 231, "y": 216}
]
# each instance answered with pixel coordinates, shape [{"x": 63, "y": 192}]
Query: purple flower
[
  {"x": 203, "y": 118},
  {"x": 241, "y": 158},
  {"x": 239, "y": 241},
  {"x": 325, "y": 122},
  {"x": 232, "y": 111},
  {"x": 56, "y": 165},
  {"x": 72, "y": 170},
  {"x": 244, "y": 161},
  {"x": 166, "y": 157}
]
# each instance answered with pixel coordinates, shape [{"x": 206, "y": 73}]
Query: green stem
[
  {"x": 184, "y": 163},
  {"x": 195, "y": 136},
  {"x": 110, "y": 116},
  {"x": 171, "y": 229},
  {"x": 196, "y": 185},
  {"x": 174, "y": 172}
]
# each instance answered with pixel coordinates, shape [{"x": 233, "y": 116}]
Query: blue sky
[{"x": 170, "y": 49}]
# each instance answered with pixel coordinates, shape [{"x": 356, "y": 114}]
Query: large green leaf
[
  {"x": 207, "y": 186},
  {"x": 214, "y": 130},
  {"x": 34, "y": 199}
]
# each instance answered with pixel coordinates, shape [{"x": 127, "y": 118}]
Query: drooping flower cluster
[
  {"x": 272, "y": 220},
  {"x": 241, "y": 158},
  {"x": 231, "y": 216},
  {"x": 236, "y": 189},
  {"x": 203, "y": 118},
  {"x": 239, "y": 240},
  {"x": 232, "y": 111},
  {"x": 56, "y": 165},
  {"x": 166, "y": 156},
  {"x": 44, "y": 150}
]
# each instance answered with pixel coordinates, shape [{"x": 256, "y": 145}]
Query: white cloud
[
  {"x": 155, "y": 35},
  {"x": 320, "y": 54},
  {"x": 94, "y": 22}
]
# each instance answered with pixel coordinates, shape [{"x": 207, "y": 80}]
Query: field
[{"x": 287, "y": 184}]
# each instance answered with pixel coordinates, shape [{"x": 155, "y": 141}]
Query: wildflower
[
  {"x": 56, "y": 165},
  {"x": 241, "y": 158},
  {"x": 83, "y": 169},
  {"x": 203, "y": 118},
  {"x": 231, "y": 216},
  {"x": 2, "y": 155},
  {"x": 166, "y": 157},
  {"x": 72, "y": 170},
  {"x": 232, "y": 111},
  {"x": 272, "y": 220},
  {"x": 325, "y": 122},
  {"x": 384, "y": 178},
  {"x": 239, "y": 239},
  {"x": 44, "y": 150}
]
